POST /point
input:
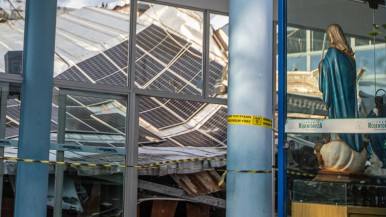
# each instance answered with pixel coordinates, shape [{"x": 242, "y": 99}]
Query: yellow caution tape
[
  {"x": 222, "y": 179},
  {"x": 156, "y": 165},
  {"x": 251, "y": 120}
]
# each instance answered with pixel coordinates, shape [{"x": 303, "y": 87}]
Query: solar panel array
[{"x": 164, "y": 62}]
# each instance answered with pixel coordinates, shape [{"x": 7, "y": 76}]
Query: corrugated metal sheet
[{"x": 81, "y": 34}]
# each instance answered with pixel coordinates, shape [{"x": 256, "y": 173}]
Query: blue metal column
[
  {"x": 36, "y": 104},
  {"x": 250, "y": 93},
  {"x": 282, "y": 67}
]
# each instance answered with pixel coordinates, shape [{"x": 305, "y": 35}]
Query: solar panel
[
  {"x": 13, "y": 102},
  {"x": 150, "y": 37},
  {"x": 73, "y": 74},
  {"x": 73, "y": 100},
  {"x": 215, "y": 73},
  {"x": 54, "y": 118},
  {"x": 189, "y": 65},
  {"x": 190, "y": 90},
  {"x": 119, "y": 54},
  {"x": 183, "y": 108},
  {"x": 11, "y": 130},
  {"x": 147, "y": 103},
  {"x": 195, "y": 138},
  {"x": 138, "y": 53},
  {"x": 98, "y": 67},
  {"x": 167, "y": 82},
  {"x": 115, "y": 79},
  {"x": 153, "y": 29},
  {"x": 167, "y": 50},
  {"x": 55, "y": 96},
  {"x": 13, "y": 112},
  {"x": 54, "y": 126},
  {"x": 160, "y": 118},
  {"x": 114, "y": 119},
  {"x": 165, "y": 47},
  {"x": 84, "y": 116},
  {"x": 74, "y": 124},
  {"x": 216, "y": 125},
  {"x": 146, "y": 68},
  {"x": 147, "y": 136}
]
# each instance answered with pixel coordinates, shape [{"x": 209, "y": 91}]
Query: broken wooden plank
[{"x": 199, "y": 183}]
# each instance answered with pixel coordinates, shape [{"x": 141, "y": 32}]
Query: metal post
[
  {"x": 59, "y": 169},
  {"x": 3, "y": 110},
  {"x": 3, "y": 124},
  {"x": 282, "y": 178},
  {"x": 274, "y": 124},
  {"x": 205, "y": 55},
  {"x": 308, "y": 49},
  {"x": 250, "y": 94},
  {"x": 131, "y": 174},
  {"x": 36, "y": 106},
  {"x": 132, "y": 124}
]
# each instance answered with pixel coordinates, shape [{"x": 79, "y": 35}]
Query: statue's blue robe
[{"x": 337, "y": 82}]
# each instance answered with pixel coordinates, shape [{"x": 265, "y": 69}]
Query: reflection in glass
[
  {"x": 307, "y": 46},
  {"x": 95, "y": 116},
  {"x": 218, "y": 55},
  {"x": 169, "y": 122},
  {"x": 169, "y": 49},
  {"x": 303, "y": 75},
  {"x": 178, "y": 130},
  {"x": 11, "y": 37},
  {"x": 96, "y": 124},
  {"x": 92, "y": 42}
]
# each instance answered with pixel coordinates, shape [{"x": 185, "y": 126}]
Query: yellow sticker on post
[{"x": 251, "y": 120}]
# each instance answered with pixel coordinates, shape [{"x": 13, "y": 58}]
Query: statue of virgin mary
[{"x": 337, "y": 82}]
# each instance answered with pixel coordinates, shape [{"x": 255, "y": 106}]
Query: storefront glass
[{"x": 335, "y": 120}]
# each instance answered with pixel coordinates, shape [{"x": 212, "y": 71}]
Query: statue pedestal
[
  {"x": 338, "y": 157},
  {"x": 333, "y": 210},
  {"x": 327, "y": 176}
]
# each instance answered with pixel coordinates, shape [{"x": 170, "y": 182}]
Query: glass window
[
  {"x": 11, "y": 39},
  {"x": 92, "y": 42},
  {"x": 182, "y": 123},
  {"x": 219, "y": 55},
  {"x": 169, "y": 49},
  {"x": 95, "y": 134},
  {"x": 335, "y": 84}
]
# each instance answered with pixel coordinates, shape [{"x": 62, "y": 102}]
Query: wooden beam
[
  {"x": 162, "y": 208},
  {"x": 179, "y": 193},
  {"x": 201, "y": 210}
]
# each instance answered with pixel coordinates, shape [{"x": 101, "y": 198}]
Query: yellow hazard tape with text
[{"x": 251, "y": 120}]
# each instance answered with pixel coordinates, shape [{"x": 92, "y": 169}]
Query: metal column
[
  {"x": 132, "y": 125},
  {"x": 36, "y": 104},
  {"x": 3, "y": 126},
  {"x": 250, "y": 93},
  {"x": 282, "y": 51},
  {"x": 131, "y": 173},
  {"x": 59, "y": 169}
]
